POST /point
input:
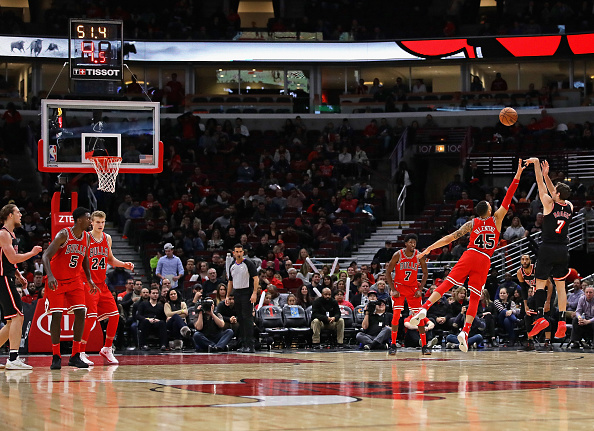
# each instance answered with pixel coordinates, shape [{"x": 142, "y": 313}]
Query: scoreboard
[{"x": 95, "y": 49}]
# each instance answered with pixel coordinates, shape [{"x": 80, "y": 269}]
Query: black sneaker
[
  {"x": 575, "y": 345},
  {"x": 75, "y": 361},
  {"x": 548, "y": 346},
  {"x": 529, "y": 347},
  {"x": 213, "y": 349},
  {"x": 56, "y": 363},
  {"x": 316, "y": 346},
  {"x": 494, "y": 342},
  {"x": 426, "y": 351},
  {"x": 392, "y": 350}
]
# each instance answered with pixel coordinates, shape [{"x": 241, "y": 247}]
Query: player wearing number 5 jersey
[
  {"x": 553, "y": 253},
  {"x": 63, "y": 260},
  {"x": 101, "y": 305},
  {"x": 405, "y": 263},
  {"x": 475, "y": 262}
]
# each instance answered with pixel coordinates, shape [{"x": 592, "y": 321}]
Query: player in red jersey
[
  {"x": 476, "y": 261},
  {"x": 102, "y": 305},
  {"x": 405, "y": 286},
  {"x": 63, "y": 260}
]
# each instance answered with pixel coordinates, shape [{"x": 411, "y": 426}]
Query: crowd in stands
[{"x": 334, "y": 19}]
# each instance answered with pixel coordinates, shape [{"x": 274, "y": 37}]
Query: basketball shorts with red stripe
[
  {"x": 69, "y": 296},
  {"x": 101, "y": 304},
  {"x": 10, "y": 300},
  {"x": 472, "y": 265}
]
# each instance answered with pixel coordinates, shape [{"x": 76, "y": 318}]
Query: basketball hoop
[{"x": 107, "y": 169}]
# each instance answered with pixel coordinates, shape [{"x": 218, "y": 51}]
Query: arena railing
[{"x": 506, "y": 258}]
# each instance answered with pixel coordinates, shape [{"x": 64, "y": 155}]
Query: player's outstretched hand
[
  {"x": 544, "y": 166},
  {"x": 531, "y": 160},
  {"x": 37, "y": 249},
  {"x": 129, "y": 266}
]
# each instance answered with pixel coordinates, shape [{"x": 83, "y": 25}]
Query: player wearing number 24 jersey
[
  {"x": 475, "y": 262},
  {"x": 101, "y": 305}
]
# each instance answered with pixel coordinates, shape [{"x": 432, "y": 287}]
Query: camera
[
  {"x": 371, "y": 306},
  {"x": 206, "y": 304}
]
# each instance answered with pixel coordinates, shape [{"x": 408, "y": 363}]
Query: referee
[{"x": 243, "y": 277}]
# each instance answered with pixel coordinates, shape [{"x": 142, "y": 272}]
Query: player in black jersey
[
  {"x": 553, "y": 253},
  {"x": 527, "y": 277},
  {"x": 10, "y": 300}
]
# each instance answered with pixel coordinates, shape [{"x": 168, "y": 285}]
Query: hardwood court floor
[{"x": 479, "y": 390}]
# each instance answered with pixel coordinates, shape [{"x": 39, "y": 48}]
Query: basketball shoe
[
  {"x": 107, "y": 353},
  {"x": 17, "y": 364},
  {"x": 561, "y": 328},
  {"x": 463, "y": 340},
  {"x": 538, "y": 326},
  {"x": 416, "y": 319},
  {"x": 85, "y": 359}
]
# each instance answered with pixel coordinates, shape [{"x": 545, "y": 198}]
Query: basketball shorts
[
  {"x": 474, "y": 266},
  {"x": 69, "y": 296},
  {"x": 414, "y": 304},
  {"x": 10, "y": 300},
  {"x": 553, "y": 261},
  {"x": 101, "y": 304}
]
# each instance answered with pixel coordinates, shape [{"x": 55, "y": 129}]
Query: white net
[{"x": 107, "y": 170}]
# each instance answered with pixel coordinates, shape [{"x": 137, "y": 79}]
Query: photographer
[
  {"x": 210, "y": 334},
  {"x": 376, "y": 324}
]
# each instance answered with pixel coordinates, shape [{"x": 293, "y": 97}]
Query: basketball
[{"x": 508, "y": 116}]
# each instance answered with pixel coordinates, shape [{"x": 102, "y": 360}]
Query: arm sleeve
[
  {"x": 251, "y": 268},
  {"x": 498, "y": 305},
  {"x": 139, "y": 313},
  {"x": 510, "y": 194},
  {"x": 580, "y": 307},
  {"x": 159, "y": 267},
  {"x": 180, "y": 267},
  {"x": 525, "y": 288}
]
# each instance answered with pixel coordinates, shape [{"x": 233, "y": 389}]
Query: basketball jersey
[
  {"x": 67, "y": 262},
  {"x": 529, "y": 279},
  {"x": 6, "y": 268},
  {"x": 484, "y": 236},
  {"x": 555, "y": 225},
  {"x": 406, "y": 270},
  {"x": 98, "y": 254}
]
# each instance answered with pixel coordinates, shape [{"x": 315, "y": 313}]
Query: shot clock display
[{"x": 95, "y": 50}]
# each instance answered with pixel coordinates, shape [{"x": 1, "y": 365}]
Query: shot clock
[{"x": 95, "y": 49}]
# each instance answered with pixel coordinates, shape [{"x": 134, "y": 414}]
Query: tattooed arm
[{"x": 467, "y": 227}]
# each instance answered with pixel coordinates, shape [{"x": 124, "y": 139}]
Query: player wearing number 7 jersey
[
  {"x": 475, "y": 262},
  {"x": 101, "y": 305},
  {"x": 63, "y": 260},
  {"x": 553, "y": 253}
]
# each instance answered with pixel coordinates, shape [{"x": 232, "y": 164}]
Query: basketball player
[
  {"x": 475, "y": 262},
  {"x": 63, "y": 260},
  {"x": 10, "y": 300},
  {"x": 553, "y": 253},
  {"x": 527, "y": 278},
  {"x": 101, "y": 305},
  {"x": 404, "y": 285}
]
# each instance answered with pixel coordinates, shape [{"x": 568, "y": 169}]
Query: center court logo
[{"x": 279, "y": 392}]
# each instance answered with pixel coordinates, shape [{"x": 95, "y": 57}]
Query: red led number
[{"x": 88, "y": 51}]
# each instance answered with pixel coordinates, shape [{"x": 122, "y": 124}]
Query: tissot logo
[
  {"x": 95, "y": 72},
  {"x": 65, "y": 219}
]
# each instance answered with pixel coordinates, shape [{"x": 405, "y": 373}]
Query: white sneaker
[
  {"x": 418, "y": 317},
  {"x": 85, "y": 358},
  {"x": 107, "y": 353},
  {"x": 17, "y": 364},
  {"x": 432, "y": 342},
  {"x": 463, "y": 340}
]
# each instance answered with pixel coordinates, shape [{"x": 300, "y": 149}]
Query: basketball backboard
[{"x": 72, "y": 130}]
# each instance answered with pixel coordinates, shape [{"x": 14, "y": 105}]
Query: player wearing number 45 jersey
[
  {"x": 553, "y": 254},
  {"x": 101, "y": 305},
  {"x": 475, "y": 262},
  {"x": 63, "y": 260}
]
